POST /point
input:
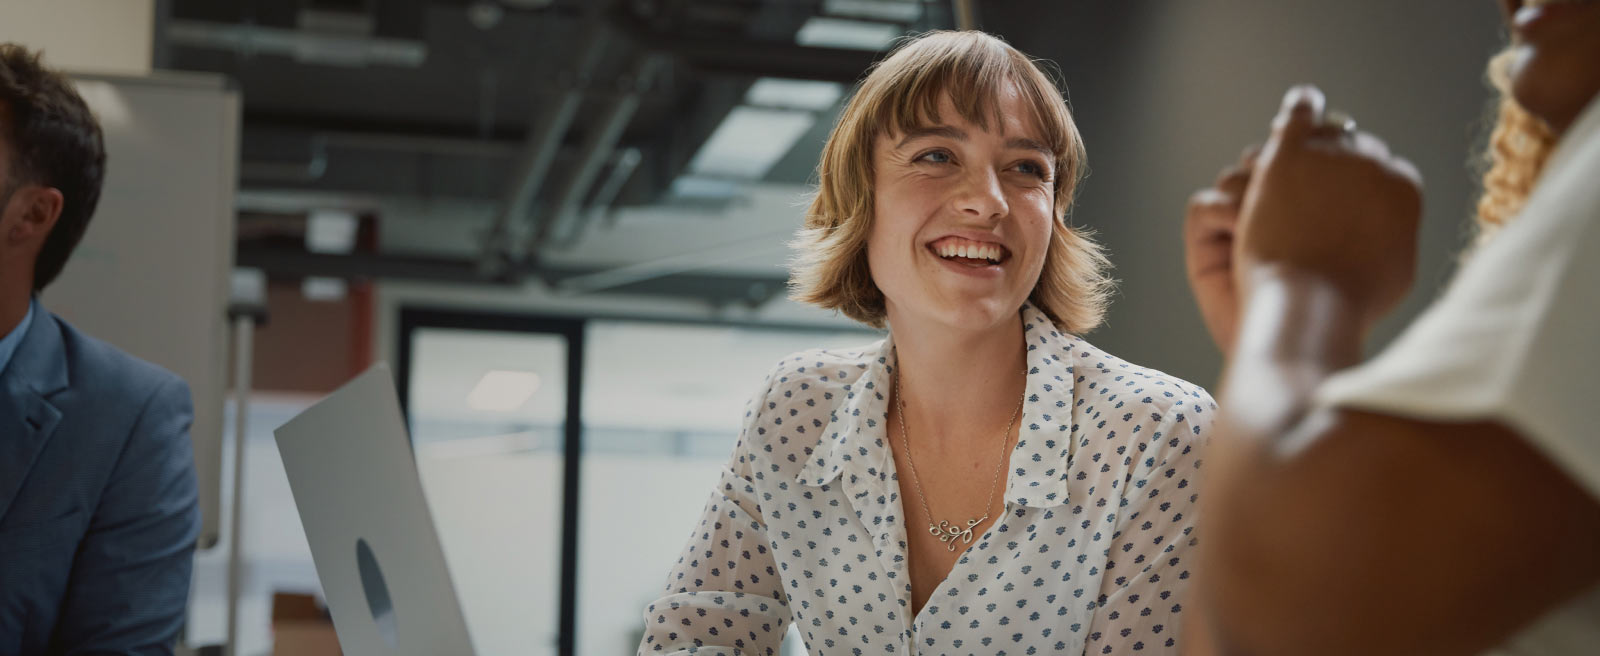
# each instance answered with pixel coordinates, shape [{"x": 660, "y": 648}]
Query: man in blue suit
[{"x": 98, "y": 502}]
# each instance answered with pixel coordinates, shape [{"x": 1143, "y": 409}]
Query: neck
[
  {"x": 15, "y": 295},
  {"x": 956, "y": 382}
]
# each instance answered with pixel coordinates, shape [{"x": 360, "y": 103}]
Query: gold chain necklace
[{"x": 943, "y": 529}]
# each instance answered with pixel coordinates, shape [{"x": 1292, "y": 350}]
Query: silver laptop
[{"x": 360, "y": 499}]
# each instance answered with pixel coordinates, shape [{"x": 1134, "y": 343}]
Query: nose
[{"x": 980, "y": 195}]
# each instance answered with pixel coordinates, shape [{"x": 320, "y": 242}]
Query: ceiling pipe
[
  {"x": 311, "y": 47},
  {"x": 671, "y": 265},
  {"x": 966, "y": 15},
  {"x": 549, "y": 128},
  {"x": 563, "y": 225},
  {"x": 288, "y": 172},
  {"x": 605, "y": 196}
]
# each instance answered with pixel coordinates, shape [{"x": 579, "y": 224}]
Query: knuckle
[{"x": 1202, "y": 198}]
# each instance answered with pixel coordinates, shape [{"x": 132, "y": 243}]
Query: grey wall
[{"x": 1168, "y": 91}]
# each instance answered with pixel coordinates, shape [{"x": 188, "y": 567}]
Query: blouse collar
[{"x": 855, "y": 440}]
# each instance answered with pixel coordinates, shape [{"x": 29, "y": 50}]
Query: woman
[
  {"x": 1445, "y": 497},
  {"x": 982, "y": 480}
]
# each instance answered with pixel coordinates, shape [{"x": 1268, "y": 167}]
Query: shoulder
[
  {"x": 786, "y": 418},
  {"x": 1116, "y": 384},
  {"x": 127, "y": 421},
  {"x": 818, "y": 373},
  {"x": 110, "y": 378}
]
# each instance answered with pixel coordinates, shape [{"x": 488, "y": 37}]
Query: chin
[
  {"x": 1529, "y": 90},
  {"x": 976, "y": 314},
  {"x": 1549, "y": 89}
]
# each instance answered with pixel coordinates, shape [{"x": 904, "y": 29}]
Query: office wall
[
  {"x": 312, "y": 346},
  {"x": 1166, "y": 92},
  {"x": 84, "y": 36}
]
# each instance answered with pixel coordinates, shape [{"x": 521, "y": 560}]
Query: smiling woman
[
  {"x": 983, "y": 479},
  {"x": 978, "y": 80}
]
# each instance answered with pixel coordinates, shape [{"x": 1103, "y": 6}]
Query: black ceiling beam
[
  {"x": 751, "y": 57},
  {"x": 766, "y": 59},
  {"x": 287, "y": 262},
  {"x": 283, "y": 262}
]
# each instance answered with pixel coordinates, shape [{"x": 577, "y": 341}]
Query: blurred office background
[{"x": 564, "y": 223}]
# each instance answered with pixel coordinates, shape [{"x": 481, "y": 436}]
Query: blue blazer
[{"x": 99, "y": 509}]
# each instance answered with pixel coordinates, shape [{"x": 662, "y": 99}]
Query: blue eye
[
  {"x": 935, "y": 156},
  {"x": 1032, "y": 168}
]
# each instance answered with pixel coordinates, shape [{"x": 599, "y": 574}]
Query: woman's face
[
  {"x": 962, "y": 216},
  {"x": 1556, "y": 69}
]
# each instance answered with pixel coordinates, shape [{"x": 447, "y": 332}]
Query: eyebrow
[
  {"x": 933, "y": 131},
  {"x": 1019, "y": 143},
  {"x": 1024, "y": 143}
]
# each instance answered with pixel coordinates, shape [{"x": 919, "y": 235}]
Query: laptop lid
[{"x": 372, "y": 538}]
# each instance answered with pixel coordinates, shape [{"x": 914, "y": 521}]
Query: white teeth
[{"x": 989, "y": 252}]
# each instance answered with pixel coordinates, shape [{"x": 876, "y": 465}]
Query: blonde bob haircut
[{"x": 902, "y": 93}]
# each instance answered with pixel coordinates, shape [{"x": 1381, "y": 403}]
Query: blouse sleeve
[
  {"x": 724, "y": 596},
  {"x": 1147, "y": 571}
]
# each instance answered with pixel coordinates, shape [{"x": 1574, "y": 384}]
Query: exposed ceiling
[{"x": 498, "y": 141}]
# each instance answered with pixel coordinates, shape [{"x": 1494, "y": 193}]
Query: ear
[{"x": 31, "y": 214}]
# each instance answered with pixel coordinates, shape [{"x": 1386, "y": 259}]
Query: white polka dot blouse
[{"x": 806, "y": 525}]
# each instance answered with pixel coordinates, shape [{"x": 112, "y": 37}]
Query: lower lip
[
  {"x": 1529, "y": 21},
  {"x": 987, "y": 272}
]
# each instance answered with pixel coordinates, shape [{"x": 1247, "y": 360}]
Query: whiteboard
[{"x": 152, "y": 274}]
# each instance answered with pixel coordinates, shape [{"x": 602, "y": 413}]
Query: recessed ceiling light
[
  {"x": 331, "y": 231},
  {"x": 315, "y": 288}
]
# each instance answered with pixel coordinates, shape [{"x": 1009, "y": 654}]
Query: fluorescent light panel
[
  {"x": 502, "y": 391},
  {"x": 825, "y": 32},
  {"x": 749, "y": 141},
  {"x": 794, "y": 94},
  {"x": 688, "y": 186},
  {"x": 901, "y": 11}
]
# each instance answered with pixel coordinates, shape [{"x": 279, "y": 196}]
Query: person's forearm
[{"x": 1296, "y": 330}]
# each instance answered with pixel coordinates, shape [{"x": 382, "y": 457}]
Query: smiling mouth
[{"x": 970, "y": 253}]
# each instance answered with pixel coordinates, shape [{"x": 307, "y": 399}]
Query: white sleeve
[
  {"x": 1513, "y": 340},
  {"x": 1140, "y": 608},
  {"x": 725, "y": 595}
]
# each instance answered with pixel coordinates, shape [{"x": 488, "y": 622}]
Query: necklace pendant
[{"x": 950, "y": 535}]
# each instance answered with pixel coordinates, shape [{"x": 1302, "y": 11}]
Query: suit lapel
[{"x": 27, "y": 418}]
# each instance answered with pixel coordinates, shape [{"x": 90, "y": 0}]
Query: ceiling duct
[{"x": 349, "y": 33}]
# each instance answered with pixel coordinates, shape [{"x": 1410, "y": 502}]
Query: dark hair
[{"x": 54, "y": 141}]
